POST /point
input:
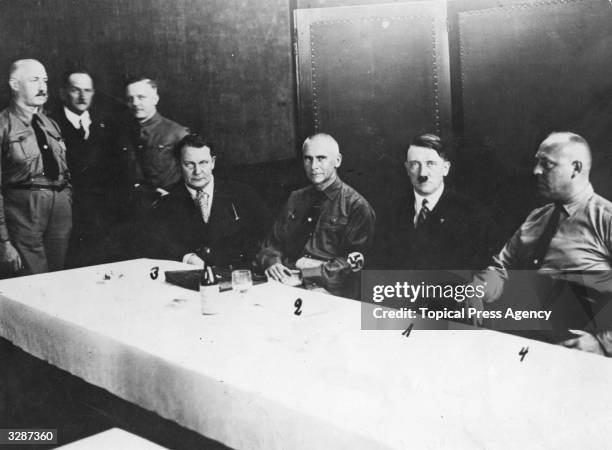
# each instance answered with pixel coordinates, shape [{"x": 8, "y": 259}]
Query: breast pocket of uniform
[
  {"x": 19, "y": 147},
  {"x": 57, "y": 144},
  {"x": 333, "y": 229}
]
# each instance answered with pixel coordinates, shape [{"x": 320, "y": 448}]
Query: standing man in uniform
[
  {"x": 93, "y": 167},
  {"x": 147, "y": 144},
  {"x": 35, "y": 203}
]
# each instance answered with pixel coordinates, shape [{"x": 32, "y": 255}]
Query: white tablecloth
[{"x": 257, "y": 376}]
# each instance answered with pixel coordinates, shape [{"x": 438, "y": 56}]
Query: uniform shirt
[
  {"x": 581, "y": 248},
  {"x": 148, "y": 148},
  {"x": 22, "y": 161},
  {"x": 345, "y": 225}
]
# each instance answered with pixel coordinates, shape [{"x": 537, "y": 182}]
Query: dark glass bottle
[{"x": 209, "y": 285}]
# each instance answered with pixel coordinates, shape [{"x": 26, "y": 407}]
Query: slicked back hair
[
  {"x": 193, "y": 140},
  {"x": 433, "y": 142}
]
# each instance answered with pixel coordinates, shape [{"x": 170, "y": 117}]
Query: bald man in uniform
[
  {"x": 568, "y": 241},
  {"x": 36, "y": 198},
  {"x": 321, "y": 225}
]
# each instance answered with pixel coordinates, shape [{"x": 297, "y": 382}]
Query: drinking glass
[{"x": 241, "y": 281}]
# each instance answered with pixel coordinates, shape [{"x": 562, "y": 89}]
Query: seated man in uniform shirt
[
  {"x": 321, "y": 225},
  {"x": 227, "y": 217},
  {"x": 569, "y": 243}
]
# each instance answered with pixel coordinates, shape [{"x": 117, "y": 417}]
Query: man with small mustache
[
  {"x": 433, "y": 227},
  {"x": 94, "y": 167},
  {"x": 323, "y": 227},
  {"x": 36, "y": 197}
]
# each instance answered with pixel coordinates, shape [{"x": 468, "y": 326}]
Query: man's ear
[
  {"x": 156, "y": 98},
  {"x": 338, "y": 160},
  {"x": 446, "y": 167},
  {"x": 577, "y": 167},
  {"x": 14, "y": 84}
]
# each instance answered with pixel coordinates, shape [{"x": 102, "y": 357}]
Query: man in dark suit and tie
[
  {"x": 202, "y": 212},
  {"x": 93, "y": 166},
  {"x": 433, "y": 228}
]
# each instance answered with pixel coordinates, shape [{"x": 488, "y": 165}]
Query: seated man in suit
[
  {"x": 93, "y": 166},
  {"x": 321, "y": 226},
  {"x": 434, "y": 228},
  {"x": 202, "y": 211}
]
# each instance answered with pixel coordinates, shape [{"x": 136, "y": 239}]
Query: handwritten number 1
[
  {"x": 298, "y": 305},
  {"x": 408, "y": 330}
]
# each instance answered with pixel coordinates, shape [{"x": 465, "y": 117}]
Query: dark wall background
[
  {"x": 224, "y": 66},
  {"x": 518, "y": 70}
]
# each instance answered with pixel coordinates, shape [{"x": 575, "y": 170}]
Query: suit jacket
[
  {"x": 93, "y": 162},
  {"x": 236, "y": 226},
  {"x": 455, "y": 235}
]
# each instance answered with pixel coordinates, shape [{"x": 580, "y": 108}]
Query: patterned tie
[
  {"x": 50, "y": 166},
  {"x": 423, "y": 213},
  {"x": 202, "y": 200}
]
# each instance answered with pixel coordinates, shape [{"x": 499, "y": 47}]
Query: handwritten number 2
[{"x": 298, "y": 305}]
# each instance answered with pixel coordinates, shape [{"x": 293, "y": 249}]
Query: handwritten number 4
[
  {"x": 298, "y": 305},
  {"x": 523, "y": 352},
  {"x": 154, "y": 273}
]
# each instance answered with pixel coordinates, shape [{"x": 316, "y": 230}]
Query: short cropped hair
[
  {"x": 433, "y": 142},
  {"x": 68, "y": 73},
  {"x": 323, "y": 137},
  {"x": 193, "y": 140},
  {"x": 565, "y": 138},
  {"x": 153, "y": 83}
]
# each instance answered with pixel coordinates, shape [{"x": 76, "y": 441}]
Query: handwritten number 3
[{"x": 154, "y": 273}]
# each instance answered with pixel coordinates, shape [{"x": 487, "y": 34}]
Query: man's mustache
[
  {"x": 422, "y": 178},
  {"x": 41, "y": 94}
]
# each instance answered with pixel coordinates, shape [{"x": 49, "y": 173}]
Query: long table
[{"x": 259, "y": 376}]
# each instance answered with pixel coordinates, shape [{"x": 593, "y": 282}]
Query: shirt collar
[
  {"x": 209, "y": 189},
  {"x": 154, "y": 120},
  {"x": 23, "y": 114},
  {"x": 432, "y": 199},
  {"x": 578, "y": 200},
  {"x": 77, "y": 120},
  {"x": 333, "y": 189}
]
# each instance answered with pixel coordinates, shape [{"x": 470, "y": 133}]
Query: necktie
[
  {"x": 423, "y": 213},
  {"x": 50, "y": 165},
  {"x": 543, "y": 243},
  {"x": 202, "y": 200},
  {"x": 81, "y": 130}
]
